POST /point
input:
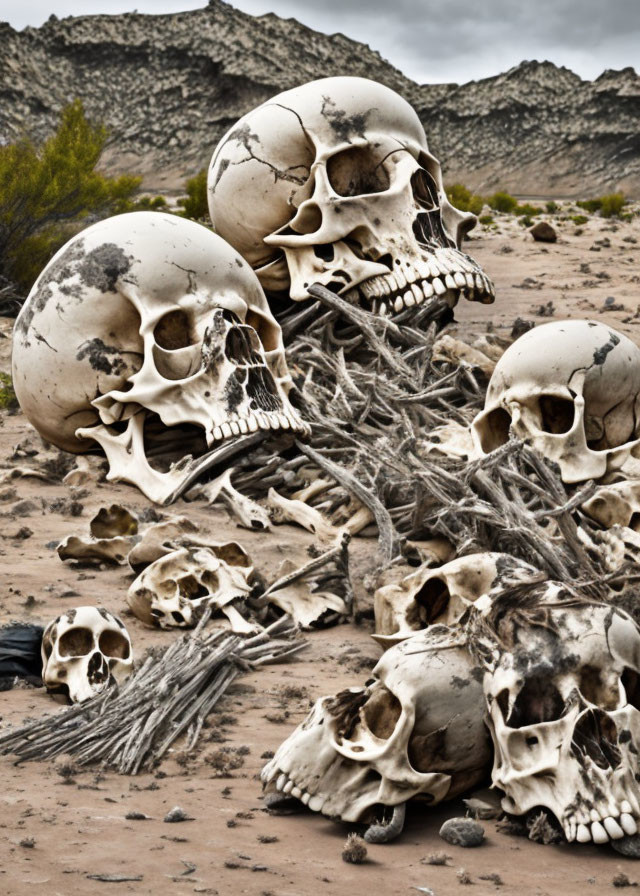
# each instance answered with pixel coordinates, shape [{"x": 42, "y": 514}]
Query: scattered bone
[
  {"x": 88, "y": 469},
  {"x": 175, "y": 590},
  {"x": 284, "y": 510},
  {"x": 456, "y": 352},
  {"x": 113, "y": 532},
  {"x": 247, "y": 512}
]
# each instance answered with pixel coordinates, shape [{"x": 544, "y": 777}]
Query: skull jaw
[{"x": 128, "y": 462}]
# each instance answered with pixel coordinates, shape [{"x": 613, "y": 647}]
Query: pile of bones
[{"x": 294, "y": 364}]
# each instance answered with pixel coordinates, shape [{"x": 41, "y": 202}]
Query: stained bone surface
[
  {"x": 149, "y": 335},
  {"x": 333, "y": 183}
]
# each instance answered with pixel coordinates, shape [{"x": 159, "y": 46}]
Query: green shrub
[
  {"x": 590, "y": 205},
  {"x": 579, "y": 219},
  {"x": 461, "y": 197},
  {"x": 612, "y": 205},
  {"x": 7, "y": 395},
  {"x": 609, "y": 206},
  {"x": 527, "y": 209},
  {"x": 46, "y": 191},
  {"x": 502, "y": 202},
  {"x": 149, "y": 204},
  {"x": 552, "y": 207},
  {"x": 486, "y": 219},
  {"x": 194, "y": 204},
  {"x": 525, "y": 221}
]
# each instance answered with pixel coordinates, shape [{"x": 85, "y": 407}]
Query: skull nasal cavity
[
  {"x": 596, "y": 736},
  {"x": 242, "y": 346},
  {"x": 173, "y": 331},
  {"x": 556, "y": 414},
  {"x": 75, "y": 642},
  {"x": 538, "y": 701},
  {"x": 115, "y": 645},
  {"x": 381, "y": 713},
  {"x": 357, "y": 172}
]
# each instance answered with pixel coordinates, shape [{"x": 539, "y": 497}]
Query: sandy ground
[{"x": 58, "y": 827}]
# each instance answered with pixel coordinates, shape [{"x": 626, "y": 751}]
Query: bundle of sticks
[{"x": 131, "y": 727}]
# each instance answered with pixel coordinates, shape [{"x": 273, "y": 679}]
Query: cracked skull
[
  {"x": 563, "y": 696},
  {"x": 84, "y": 651},
  {"x": 441, "y": 595},
  {"x": 175, "y": 589},
  {"x": 150, "y": 335},
  {"x": 332, "y": 183},
  {"x": 573, "y": 389},
  {"x": 416, "y": 729}
]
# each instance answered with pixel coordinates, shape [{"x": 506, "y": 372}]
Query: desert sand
[{"x": 60, "y": 825}]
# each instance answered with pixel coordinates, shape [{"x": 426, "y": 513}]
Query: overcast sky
[{"x": 429, "y": 40}]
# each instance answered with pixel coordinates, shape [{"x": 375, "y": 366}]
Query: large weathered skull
[
  {"x": 84, "y": 651},
  {"x": 573, "y": 389},
  {"x": 563, "y": 695},
  {"x": 150, "y": 335},
  {"x": 409, "y": 732},
  {"x": 442, "y": 594},
  {"x": 174, "y": 590},
  {"x": 332, "y": 183}
]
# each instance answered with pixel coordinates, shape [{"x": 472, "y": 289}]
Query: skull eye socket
[
  {"x": 429, "y": 603},
  {"x": 494, "y": 432},
  {"x": 556, "y": 414},
  {"x": 75, "y": 642},
  {"x": 173, "y": 331},
  {"x": 595, "y": 691},
  {"x": 115, "y": 645},
  {"x": 191, "y": 588},
  {"x": 357, "y": 172},
  {"x": 631, "y": 685},
  {"x": 381, "y": 713},
  {"x": 539, "y": 701}
]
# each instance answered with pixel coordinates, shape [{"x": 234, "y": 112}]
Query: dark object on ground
[
  {"x": 628, "y": 846},
  {"x": 543, "y": 232},
  {"x": 20, "y": 654},
  {"x": 462, "y": 832}
]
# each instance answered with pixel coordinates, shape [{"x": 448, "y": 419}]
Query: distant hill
[{"x": 169, "y": 86}]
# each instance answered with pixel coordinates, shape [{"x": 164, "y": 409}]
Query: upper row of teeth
[
  {"x": 601, "y": 830},
  {"x": 417, "y": 291},
  {"x": 254, "y": 422},
  {"x": 286, "y": 785}
]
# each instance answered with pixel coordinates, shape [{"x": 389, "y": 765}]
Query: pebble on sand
[{"x": 462, "y": 832}]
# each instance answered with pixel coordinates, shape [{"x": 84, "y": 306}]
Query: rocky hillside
[{"x": 169, "y": 86}]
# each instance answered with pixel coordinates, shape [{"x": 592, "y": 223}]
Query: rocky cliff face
[{"x": 169, "y": 86}]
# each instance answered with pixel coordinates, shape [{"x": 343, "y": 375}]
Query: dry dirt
[{"x": 58, "y": 827}]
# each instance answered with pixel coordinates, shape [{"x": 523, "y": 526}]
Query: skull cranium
[
  {"x": 441, "y": 594},
  {"x": 407, "y": 733},
  {"x": 150, "y": 335},
  {"x": 573, "y": 388},
  {"x": 333, "y": 183},
  {"x": 175, "y": 589},
  {"x": 84, "y": 651},
  {"x": 563, "y": 697}
]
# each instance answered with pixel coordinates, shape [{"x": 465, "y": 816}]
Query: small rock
[
  {"x": 622, "y": 880},
  {"x": 628, "y": 846},
  {"x": 462, "y": 832},
  {"x": 177, "y": 814},
  {"x": 137, "y": 816},
  {"x": 543, "y": 232}
]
